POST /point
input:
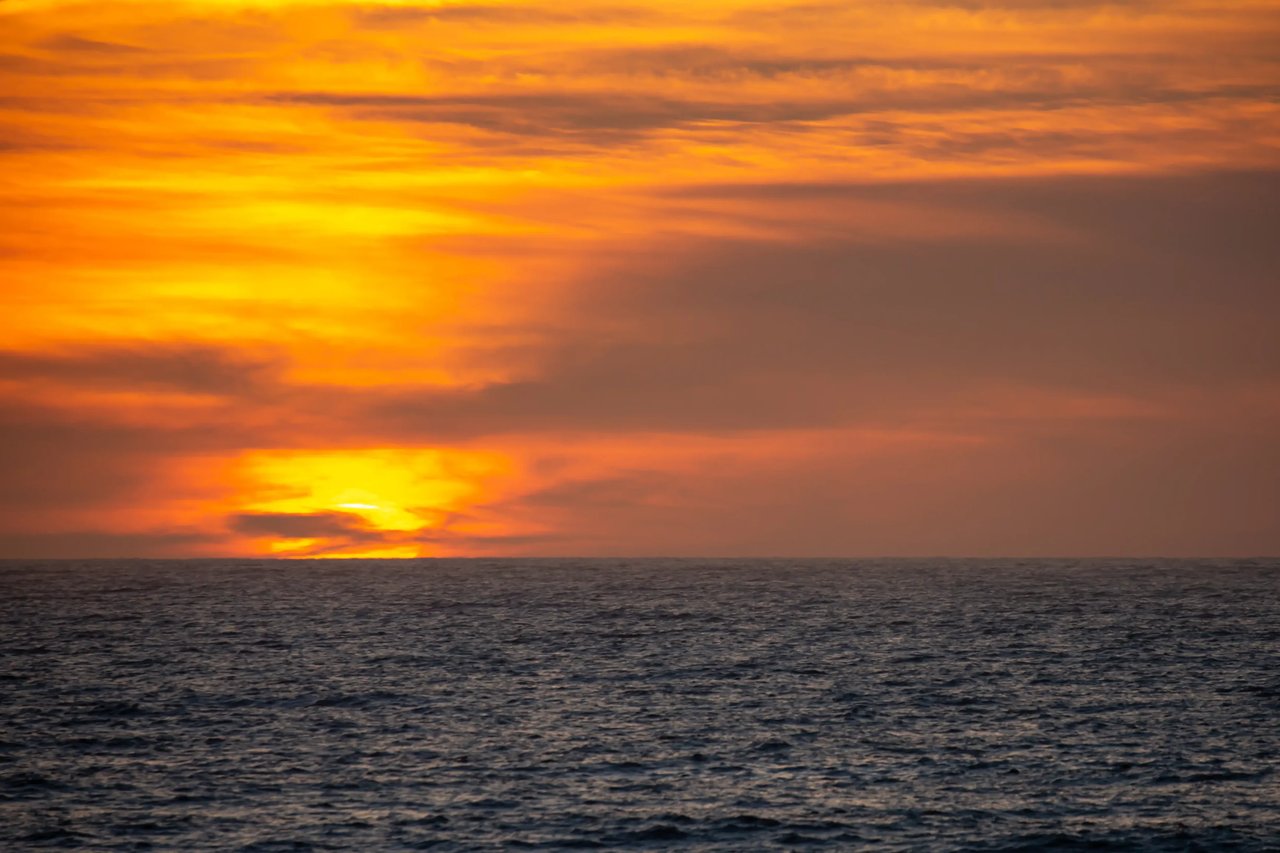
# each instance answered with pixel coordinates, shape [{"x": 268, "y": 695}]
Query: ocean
[{"x": 641, "y": 704}]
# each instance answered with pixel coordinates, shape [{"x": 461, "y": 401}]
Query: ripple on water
[{"x": 718, "y": 705}]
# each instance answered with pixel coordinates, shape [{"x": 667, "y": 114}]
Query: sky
[{"x": 887, "y": 277}]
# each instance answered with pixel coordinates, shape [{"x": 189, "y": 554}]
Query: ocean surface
[{"x": 640, "y": 705}]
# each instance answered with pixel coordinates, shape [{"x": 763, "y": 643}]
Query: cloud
[
  {"x": 55, "y": 466},
  {"x": 77, "y": 44},
  {"x": 553, "y": 113},
  {"x": 593, "y": 114},
  {"x": 102, "y": 544},
  {"x": 393, "y": 17},
  {"x": 1130, "y": 293},
  {"x": 339, "y": 533},
  {"x": 1101, "y": 288},
  {"x": 1094, "y": 288},
  {"x": 885, "y": 276},
  {"x": 175, "y": 366},
  {"x": 315, "y": 525},
  {"x": 1141, "y": 489},
  {"x": 624, "y": 490}
]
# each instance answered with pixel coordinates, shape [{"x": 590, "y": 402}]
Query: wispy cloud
[{"x": 503, "y": 277}]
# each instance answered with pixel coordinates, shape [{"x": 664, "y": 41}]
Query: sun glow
[{"x": 367, "y": 503}]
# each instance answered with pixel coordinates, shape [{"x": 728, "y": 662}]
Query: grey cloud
[
  {"x": 191, "y": 368},
  {"x": 76, "y": 44},
  {"x": 338, "y": 532},
  {"x": 128, "y": 63},
  {"x": 288, "y": 525},
  {"x": 1160, "y": 286},
  {"x": 479, "y": 13},
  {"x": 102, "y": 544},
  {"x": 1144, "y": 287},
  {"x": 698, "y": 60},
  {"x": 19, "y": 139},
  {"x": 53, "y": 464},
  {"x": 66, "y": 459},
  {"x": 1089, "y": 6},
  {"x": 625, "y": 490},
  {"x": 600, "y": 118},
  {"x": 553, "y": 112},
  {"x": 1132, "y": 490},
  {"x": 826, "y": 11}
]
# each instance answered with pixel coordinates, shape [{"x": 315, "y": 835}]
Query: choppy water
[{"x": 988, "y": 705}]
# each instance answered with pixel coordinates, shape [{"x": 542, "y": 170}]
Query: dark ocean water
[{"x": 643, "y": 704}]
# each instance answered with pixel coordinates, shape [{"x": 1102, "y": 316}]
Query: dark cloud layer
[
  {"x": 177, "y": 366},
  {"x": 1124, "y": 287},
  {"x": 391, "y": 17},
  {"x": 77, "y": 44},
  {"x": 1065, "y": 491},
  {"x": 103, "y": 544},
  {"x": 603, "y": 114},
  {"x": 1142, "y": 287},
  {"x": 303, "y": 525},
  {"x": 336, "y": 532}
]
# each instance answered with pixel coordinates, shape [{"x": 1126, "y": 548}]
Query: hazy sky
[{"x": 705, "y": 278}]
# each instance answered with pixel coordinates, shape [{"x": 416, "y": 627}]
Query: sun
[{"x": 372, "y": 502}]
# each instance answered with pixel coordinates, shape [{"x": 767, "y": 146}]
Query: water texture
[{"x": 643, "y": 704}]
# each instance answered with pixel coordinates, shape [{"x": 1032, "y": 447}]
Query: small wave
[
  {"x": 23, "y": 651},
  {"x": 656, "y": 832},
  {"x": 585, "y": 707},
  {"x": 58, "y": 834},
  {"x": 747, "y": 822},
  {"x": 771, "y": 746}
]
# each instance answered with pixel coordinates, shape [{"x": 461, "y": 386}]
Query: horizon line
[{"x": 340, "y": 558}]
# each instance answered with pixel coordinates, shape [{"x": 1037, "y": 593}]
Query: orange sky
[{"x": 413, "y": 279}]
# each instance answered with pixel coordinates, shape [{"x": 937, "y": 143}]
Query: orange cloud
[{"x": 337, "y": 278}]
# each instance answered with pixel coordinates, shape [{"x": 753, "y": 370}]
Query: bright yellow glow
[{"x": 390, "y": 494}]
